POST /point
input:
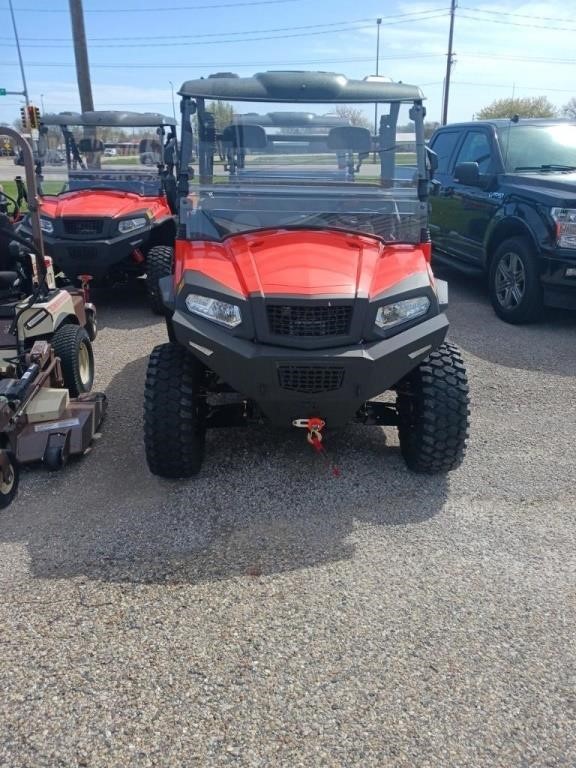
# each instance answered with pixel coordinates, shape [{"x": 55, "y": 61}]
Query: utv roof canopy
[
  {"x": 110, "y": 118},
  {"x": 306, "y": 87}
]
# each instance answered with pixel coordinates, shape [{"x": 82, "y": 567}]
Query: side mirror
[
  {"x": 467, "y": 174},
  {"x": 245, "y": 136}
]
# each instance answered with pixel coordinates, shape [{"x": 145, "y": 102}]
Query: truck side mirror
[
  {"x": 468, "y": 174},
  {"x": 432, "y": 158}
]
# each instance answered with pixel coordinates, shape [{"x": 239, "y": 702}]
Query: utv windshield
[
  {"x": 100, "y": 157},
  {"x": 307, "y": 166},
  {"x": 539, "y": 147}
]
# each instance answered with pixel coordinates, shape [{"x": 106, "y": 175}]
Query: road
[{"x": 268, "y": 613}]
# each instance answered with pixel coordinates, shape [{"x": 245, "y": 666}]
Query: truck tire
[
  {"x": 159, "y": 264},
  {"x": 514, "y": 283},
  {"x": 72, "y": 345},
  {"x": 433, "y": 411},
  {"x": 174, "y": 428}
]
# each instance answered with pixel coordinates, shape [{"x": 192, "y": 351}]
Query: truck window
[
  {"x": 444, "y": 145},
  {"x": 476, "y": 149}
]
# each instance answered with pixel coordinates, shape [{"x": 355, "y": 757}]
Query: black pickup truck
[{"x": 504, "y": 207}]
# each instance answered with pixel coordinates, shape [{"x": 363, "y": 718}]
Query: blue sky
[{"x": 136, "y": 48}]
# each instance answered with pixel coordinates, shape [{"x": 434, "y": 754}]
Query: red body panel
[
  {"x": 99, "y": 202},
  {"x": 302, "y": 263}
]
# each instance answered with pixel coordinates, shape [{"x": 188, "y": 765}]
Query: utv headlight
[
  {"x": 46, "y": 225},
  {"x": 402, "y": 311},
  {"x": 129, "y": 225},
  {"x": 214, "y": 309}
]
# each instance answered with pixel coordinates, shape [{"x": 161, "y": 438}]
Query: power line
[
  {"x": 515, "y": 23},
  {"x": 159, "y": 9},
  {"x": 517, "y": 15}
]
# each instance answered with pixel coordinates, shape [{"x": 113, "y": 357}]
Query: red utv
[
  {"x": 302, "y": 286},
  {"x": 109, "y": 210}
]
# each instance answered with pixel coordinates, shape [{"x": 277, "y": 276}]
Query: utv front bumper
[
  {"x": 290, "y": 384},
  {"x": 92, "y": 257}
]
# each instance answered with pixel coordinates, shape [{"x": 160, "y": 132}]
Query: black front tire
[
  {"x": 159, "y": 264},
  {"x": 514, "y": 282},
  {"x": 72, "y": 345},
  {"x": 433, "y": 409},
  {"x": 9, "y": 486},
  {"x": 174, "y": 427}
]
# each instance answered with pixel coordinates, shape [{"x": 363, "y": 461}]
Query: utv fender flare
[{"x": 515, "y": 220}]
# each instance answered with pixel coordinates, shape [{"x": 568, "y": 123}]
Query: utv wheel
[
  {"x": 72, "y": 345},
  {"x": 174, "y": 429},
  {"x": 9, "y": 484},
  {"x": 514, "y": 283},
  {"x": 433, "y": 412},
  {"x": 159, "y": 264}
]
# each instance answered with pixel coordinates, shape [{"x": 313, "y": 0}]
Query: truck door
[
  {"x": 471, "y": 207},
  {"x": 444, "y": 145}
]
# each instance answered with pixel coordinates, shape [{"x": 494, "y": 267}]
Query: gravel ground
[{"x": 268, "y": 613}]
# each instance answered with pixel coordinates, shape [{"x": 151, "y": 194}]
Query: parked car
[{"x": 505, "y": 210}]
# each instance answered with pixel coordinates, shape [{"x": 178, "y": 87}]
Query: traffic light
[
  {"x": 23, "y": 118},
  {"x": 33, "y": 117}
]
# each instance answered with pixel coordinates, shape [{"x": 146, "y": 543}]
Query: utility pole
[
  {"x": 25, "y": 91},
  {"x": 449, "y": 62},
  {"x": 81, "y": 56}
]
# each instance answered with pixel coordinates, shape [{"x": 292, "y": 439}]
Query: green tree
[
  {"x": 569, "y": 109},
  {"x": 223, "y": 113},
  {"x": 534, "y": 106}
]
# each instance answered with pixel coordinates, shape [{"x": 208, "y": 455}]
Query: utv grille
[
  {"x": 83, "y": 253},
  {"x": 300, "y": 320},
  {"x": 83, "y": 226},
  {"x": 310, "y": 380}
]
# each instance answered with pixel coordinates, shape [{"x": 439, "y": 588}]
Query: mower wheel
[
  {"x": 159, "y": 264},
  {"x": 91, "y": 324},
  {"x": 9, "y": 485},
  {"x": 54, "y": 458},
  {"x": 72, "y": 345},
  {"x": 174, "y": 428},
  {"x": 433, "y": 410}
]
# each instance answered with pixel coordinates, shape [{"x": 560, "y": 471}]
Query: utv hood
[
  {"x": 92, "y": 202},
  {"x": 303, "y": 263}
]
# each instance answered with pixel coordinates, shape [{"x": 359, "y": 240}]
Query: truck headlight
[
  {"x": 214, "y": 309},
  {"x": 401, "y": 311},
  {"x": 129, "y": 225},
  {"x": 565, "y": 219},
  {"x": 46, "y": 225}
]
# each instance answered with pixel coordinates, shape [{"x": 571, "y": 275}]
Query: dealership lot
[{"x": 269, "y": 613}]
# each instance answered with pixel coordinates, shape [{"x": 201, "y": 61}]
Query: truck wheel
[
  {"x": 159, "y": 264},
  {"x": 174, "y": 429},
  {"x": 514, "y": 283},
  {"x": 433, "y": 410},
  {"x": 9, "y": 484},
  {"x": 72, "y": 345}
]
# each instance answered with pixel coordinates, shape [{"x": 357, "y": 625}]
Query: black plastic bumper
[
  {"x": 91, "y": 257},
  {"x": 353, "y": 374},
  {"x": 560, "y": 289}
]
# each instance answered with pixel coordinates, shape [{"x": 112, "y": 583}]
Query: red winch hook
[{"x": 314, "y": 427}]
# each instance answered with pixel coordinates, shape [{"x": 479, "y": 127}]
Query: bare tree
[
  {"x": 354, "y": 116},
  {"x": 569, "y": 109}
]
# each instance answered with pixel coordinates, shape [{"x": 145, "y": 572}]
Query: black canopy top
[{"x": 300, "y": 87}]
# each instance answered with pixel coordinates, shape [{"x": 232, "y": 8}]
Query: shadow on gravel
[
  {"x": 263, "y": 503},
  {"x": 544, "y": 346},
  {"x": 125, "y": 306}
]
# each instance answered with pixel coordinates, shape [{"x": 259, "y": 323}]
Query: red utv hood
[
  {"x": 92, "y": 202},
  {"x": 302, "y": 262}
]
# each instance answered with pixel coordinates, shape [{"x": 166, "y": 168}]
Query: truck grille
[
  {"x": 310, "y": 380},
  {"x": 83, "y": 226},
  {"x": 300, "y": 320}
]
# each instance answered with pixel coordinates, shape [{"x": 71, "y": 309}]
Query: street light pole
[
  {"x": 378, "y": 22},
  {"x": 25, "y": 91},
  {"x": 42, "y": 102},
  {"x": 173, "y": 107}
]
